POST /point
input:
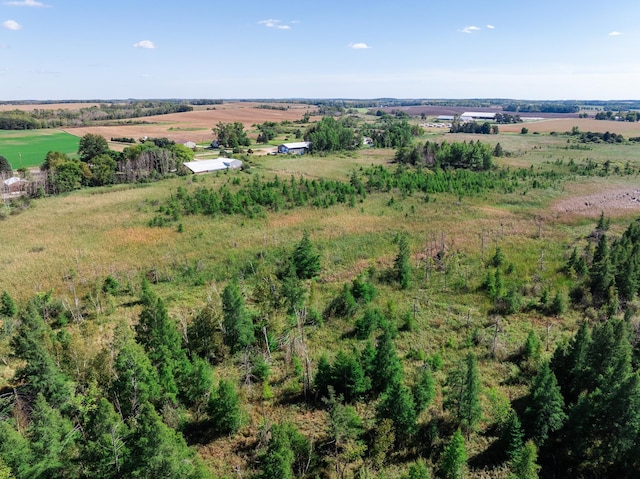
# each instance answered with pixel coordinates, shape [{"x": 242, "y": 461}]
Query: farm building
[
  {"x": 13, "y": 186},
  {"x": 477, "y": 115},
  {"x": 299, "y": 148},
  {"x": 206, "y": 166}
]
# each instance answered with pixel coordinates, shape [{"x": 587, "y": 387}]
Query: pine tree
[
  {"x": 348, "y": 378},
  {"x": 224, "y": 409},
  {"x": 417, "y": 470},
  {"x": 135, "y": 382},
  {"x": 386, "y": 364},
  {"x": 512, "y": 435},
  {"x": 454, "y": 458},
  {"x": 601, "y": 274},
  {"x": 523, "y": 465},
  {"x": 159, "y": 336},
  {"x": 324, "y": 377},
  {"x": 305, "y": 259},
  {"x": 238, "y": 327},
  {"x": 401, "y": 264},
  {"x": 462, "y": 395},
  {"x": 5, "y": 471},
  {"x": 106, "y": 450},
  {"x": 425, "y": 389},
  {"x": 569, "y": 364},
  {"x": 470, "y": 409},
  {"x": 545, "y": 412},
  {"x": 159, "y": 451},
  {"x": 40, "y": 374},
  {"x": 52, "y": 439},
  {"x": 397, "y": 404},
  {"x": 278, "y": 460},
  {"x": 8, "y": 307}
]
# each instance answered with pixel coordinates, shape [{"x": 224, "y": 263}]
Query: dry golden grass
[{"x": 561, "y": 125}]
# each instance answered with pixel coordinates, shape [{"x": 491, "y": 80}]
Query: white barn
[{"x": 205, "y": 166}]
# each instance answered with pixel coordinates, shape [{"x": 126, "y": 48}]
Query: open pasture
[
  {"x": 562, "y": 125},
  {"x": 28, "y": 148}
]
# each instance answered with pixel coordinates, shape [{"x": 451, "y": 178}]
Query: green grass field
[{"x": 25, "y": 149}]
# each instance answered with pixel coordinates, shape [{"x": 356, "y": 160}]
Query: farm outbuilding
[
  {"x": 477, "y": 115},
  {"x": 206, "y": 166},
  {"x": 299, "y": 148}
]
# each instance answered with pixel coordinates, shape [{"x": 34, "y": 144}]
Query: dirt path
[{"x": 610, "y": 201}]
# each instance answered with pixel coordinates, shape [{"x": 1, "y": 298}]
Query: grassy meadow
[
  {"x": 70, "y": 243},
  {"x": 28, "y": 148}
]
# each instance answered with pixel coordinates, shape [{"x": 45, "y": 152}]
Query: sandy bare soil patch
[
  {"x": 620, "y": 200},
  {"x": 561, "y": 125},
  {"x": 196, "y": 125}
]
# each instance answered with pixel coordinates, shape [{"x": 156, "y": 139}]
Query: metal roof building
[{"x": 205, "y": 166}]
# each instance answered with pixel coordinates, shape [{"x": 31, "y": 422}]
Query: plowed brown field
[{"x": 196, "y": 125}]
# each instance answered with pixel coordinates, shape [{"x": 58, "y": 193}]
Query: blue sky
[{"x": 561, "y": 49}]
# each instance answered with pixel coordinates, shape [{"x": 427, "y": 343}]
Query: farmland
[
  {"x": 487, "y": 273},
  {"x": 27, "y": 149}
]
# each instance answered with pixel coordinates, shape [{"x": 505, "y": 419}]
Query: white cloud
[
  {"x": 144, "y": 44},
  {"x": 470, "y": 29},
  {"x": 359, "y": 46},
  {"x": 490, "y": 27},
  {"x": 615, "y": 34},
  {"x": 270, "y": 23},
  {"x": 11, "y": 25},
  {"x": 26, "y": 3}
]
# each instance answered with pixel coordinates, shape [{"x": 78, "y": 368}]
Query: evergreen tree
[
  {"x": 199, "y": 386},
  {"x": 463, "y": 394},
  {"x": 106, "y": 450},
  {"x": 135, "y": 382},
  {"x": 158, "y": 451},
  {"x": 8, "y": 307},
  {"x": 324, "y": 377},
  {"x": 512, "y": 435},
  {"x": 454, "y": 458},
  {"x": 160, "y": 338},
  {"x": 545, "y": 412},
  {"x": 417, "y": 470},
  {"x": 224, "y": 409},
  {"x": 401, "y": 264},
  {"x": 425, "y": 389},
  {"x": 237, "y": 324},
  {"x": 603, "y": 429},
  {"x": 348, "y": 378},
  {"x": 40, "y": 374},
  {"x": 292, "y": 289},
  {"x": 344, "y": 431},
  {"x": 470, "y": 409},
  {"x": 569, "y": 364},
  {"x": 397, "y": 404},
  {"x": 601, "y": 274},
  {"x": 15, "y": 450},
  {"x": 305, "y": 259},
  {"x": 523, "y": 465},
  {"x": 386, "y": 364},
  {"x": 52, "y": 439},
  {"x": 5, "y": 471},
  {"x": 287, "y": 453}
]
